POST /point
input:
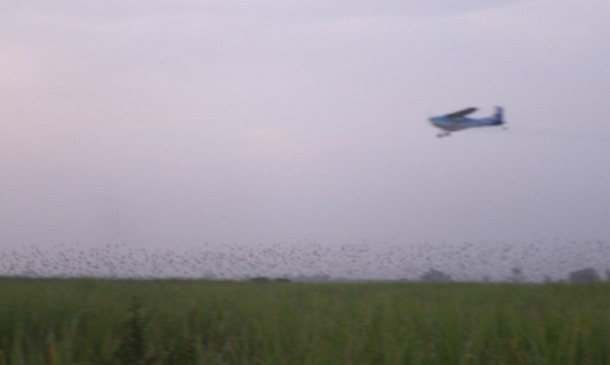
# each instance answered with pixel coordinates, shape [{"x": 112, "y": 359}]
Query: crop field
[{"x": 87, "y": 321}]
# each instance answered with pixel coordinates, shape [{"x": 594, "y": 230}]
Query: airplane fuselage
[{"x": 456, "y": 124}]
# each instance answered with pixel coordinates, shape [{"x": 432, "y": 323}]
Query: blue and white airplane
[{"x": 457, "y": 121}]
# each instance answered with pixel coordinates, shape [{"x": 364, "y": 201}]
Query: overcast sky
[{"x": 248, "y": 121}]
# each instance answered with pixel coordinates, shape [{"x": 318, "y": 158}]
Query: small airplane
[{"x": 457, "y": 121}]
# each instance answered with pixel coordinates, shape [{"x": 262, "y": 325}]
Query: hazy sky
[{"x": 185, "y": 121}]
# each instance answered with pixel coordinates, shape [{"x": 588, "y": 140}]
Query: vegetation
[
  {"x": 435, "y": 276},
  {"x": 198, "y": 322},
  {"x": 587, "y": 275}
]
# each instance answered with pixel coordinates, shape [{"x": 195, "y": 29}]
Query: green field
[{"x": 200, "y": 322}]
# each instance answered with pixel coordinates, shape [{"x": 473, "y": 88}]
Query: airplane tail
[{"x": 499, "y": 115}]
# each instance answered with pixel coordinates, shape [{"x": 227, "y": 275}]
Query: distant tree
[
  {"x": 517, "y": 275},
  {"x": 587, "y": 275},
  {"x": 608, "y": 275},
  {"x": 435, "y": 276},
  {"x": 264, "y": 279},
  {"x": 318, "y": 278}
]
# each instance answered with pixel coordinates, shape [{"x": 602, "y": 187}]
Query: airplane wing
[{"x": 461, "y": 113}]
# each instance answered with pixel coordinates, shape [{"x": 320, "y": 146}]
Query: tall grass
[{"x": 198, "y": 322}]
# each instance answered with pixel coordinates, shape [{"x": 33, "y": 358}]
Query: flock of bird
[{"x": 310, "y": 260}]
